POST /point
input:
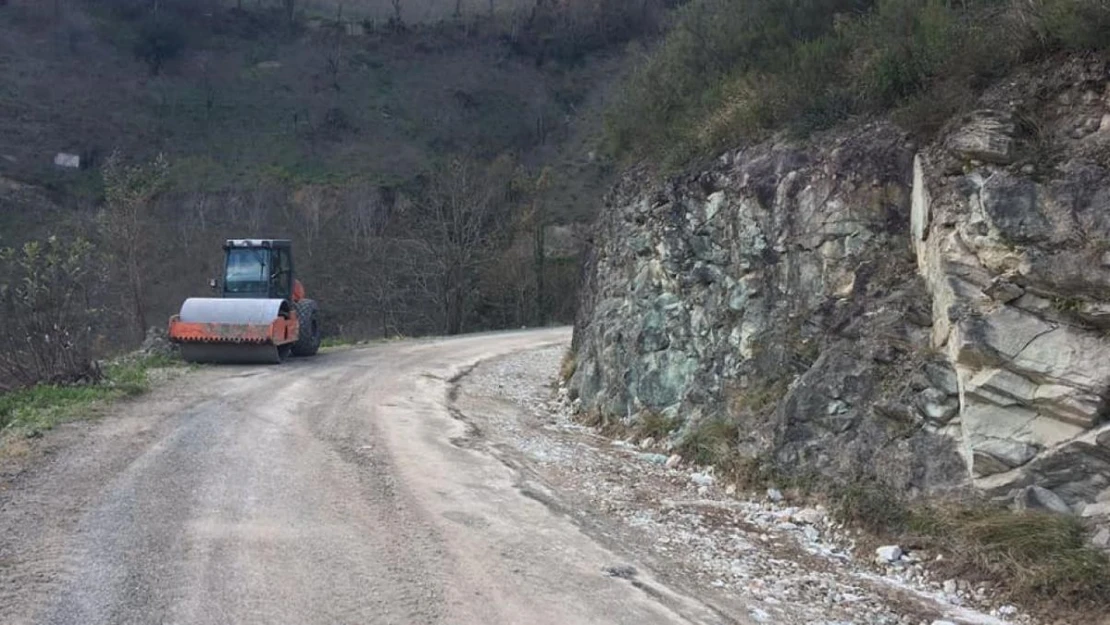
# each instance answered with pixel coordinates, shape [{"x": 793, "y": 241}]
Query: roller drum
[
  {"x": 212, "y": 330},
  {"x": 236, "y": 311}
]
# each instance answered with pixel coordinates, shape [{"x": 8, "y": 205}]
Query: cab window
[
  {"x": 246, "y": 271},
  {"x": 282, "y": 274}
]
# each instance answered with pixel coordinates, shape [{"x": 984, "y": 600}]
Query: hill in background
[{"x": 327, "y": 125}]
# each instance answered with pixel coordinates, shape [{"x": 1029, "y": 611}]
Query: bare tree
[
  {"x": 333, "y": 55},
  {"x": 539, "y": 245},
  {"x": 311, "y": 204},
  {"x": 365, "y": 213},
  {"x": 290, "y": 7},
  {"x": 257, "y": 204},
  {"x": 457, "y": 221},
  {"x": 125, "y": 223},
  {"x": 208, "y": 83}
]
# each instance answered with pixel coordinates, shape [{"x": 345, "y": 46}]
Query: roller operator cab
[{"x": 261, "y": 314}]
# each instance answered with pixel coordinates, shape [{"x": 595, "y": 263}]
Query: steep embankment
[{"x": 855, "y": 305}]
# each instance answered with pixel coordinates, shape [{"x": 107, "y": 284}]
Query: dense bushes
[
  {"x": 566, "y": 31},
  {"x": 159, "y": 41},
  {"x": 733, "y": 70},
  {"x": 45, "y": 306}
]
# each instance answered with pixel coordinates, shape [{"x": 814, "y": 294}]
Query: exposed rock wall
[
  {"x": 1012, "y": 233},
  {"x": 932, "y": 316}
]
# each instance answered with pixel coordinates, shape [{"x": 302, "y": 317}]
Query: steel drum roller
[{"x": 217, "y": 310}]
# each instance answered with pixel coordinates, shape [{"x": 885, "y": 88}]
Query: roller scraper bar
[{"x": 231, "y": 353}]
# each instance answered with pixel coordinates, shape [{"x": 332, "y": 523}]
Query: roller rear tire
[{"x": 308, "y": 339}]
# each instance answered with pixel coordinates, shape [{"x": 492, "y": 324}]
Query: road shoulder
[{"x": 752, "y": 559}]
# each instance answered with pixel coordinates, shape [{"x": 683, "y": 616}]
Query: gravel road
[
  {"x": 338, "y": 489},
  {"x": 415, "y": 483}
]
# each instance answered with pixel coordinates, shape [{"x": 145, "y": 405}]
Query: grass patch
[
  {"x": 1038, "y": 554},
  {"x": 714, "y": 443},
  {"x": 568, "y": 366},
  {"x": 609, "y": 426},
  {"x": 1036, "y": 558},
  {"x": 33, "y": 410},
  {"x": 871, "y": 506},
  {"x": 331, "y": 342},
  {"x": 711, "y": 442},
  {"x": 656, "y": 425},
  {"x": 758, "y": 399}
]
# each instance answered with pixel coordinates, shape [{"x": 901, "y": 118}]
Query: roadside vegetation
[
  {"x": 48, "y": 319},
  {"x": 567, "y": 366},
  {"x": 32, "y": 410},
  {"x": 1039, "y": 559},
  {"x": 731, "y": 72},
  {"x": 1042, "y": 560},
  {"x": 336, "y": 342},
  {"x": 49, "y": 367}
]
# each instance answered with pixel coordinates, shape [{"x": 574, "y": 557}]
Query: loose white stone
[
  {"x": 888, "y": 554},
  {"x": 701, "y": 479}
]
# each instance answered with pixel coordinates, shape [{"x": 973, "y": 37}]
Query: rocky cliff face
[{"x": 932, "y": 316}]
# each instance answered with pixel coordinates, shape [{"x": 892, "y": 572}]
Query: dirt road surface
[{"x": 331, "y": 490}]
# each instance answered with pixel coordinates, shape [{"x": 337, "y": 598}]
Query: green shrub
[
  {"x": 731, "y": 71},
  {"x": 1068, "y": 24},
  {"x": 44, "y": 301}
]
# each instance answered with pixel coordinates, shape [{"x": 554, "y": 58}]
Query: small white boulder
[
  {"x": 68, "y": 161},
  {"x": 888, "y": 554},
  {"x": 702, "y": 479},
  {"x": 809, "y": 516}
]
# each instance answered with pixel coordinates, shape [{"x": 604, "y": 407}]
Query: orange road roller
[{"x": 261, "y": 314}]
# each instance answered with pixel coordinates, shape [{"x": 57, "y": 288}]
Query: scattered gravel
[{"x": 782, "y": 563}]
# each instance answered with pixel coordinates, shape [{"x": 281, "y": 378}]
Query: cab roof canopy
[{"x": 258, "y": 243}]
